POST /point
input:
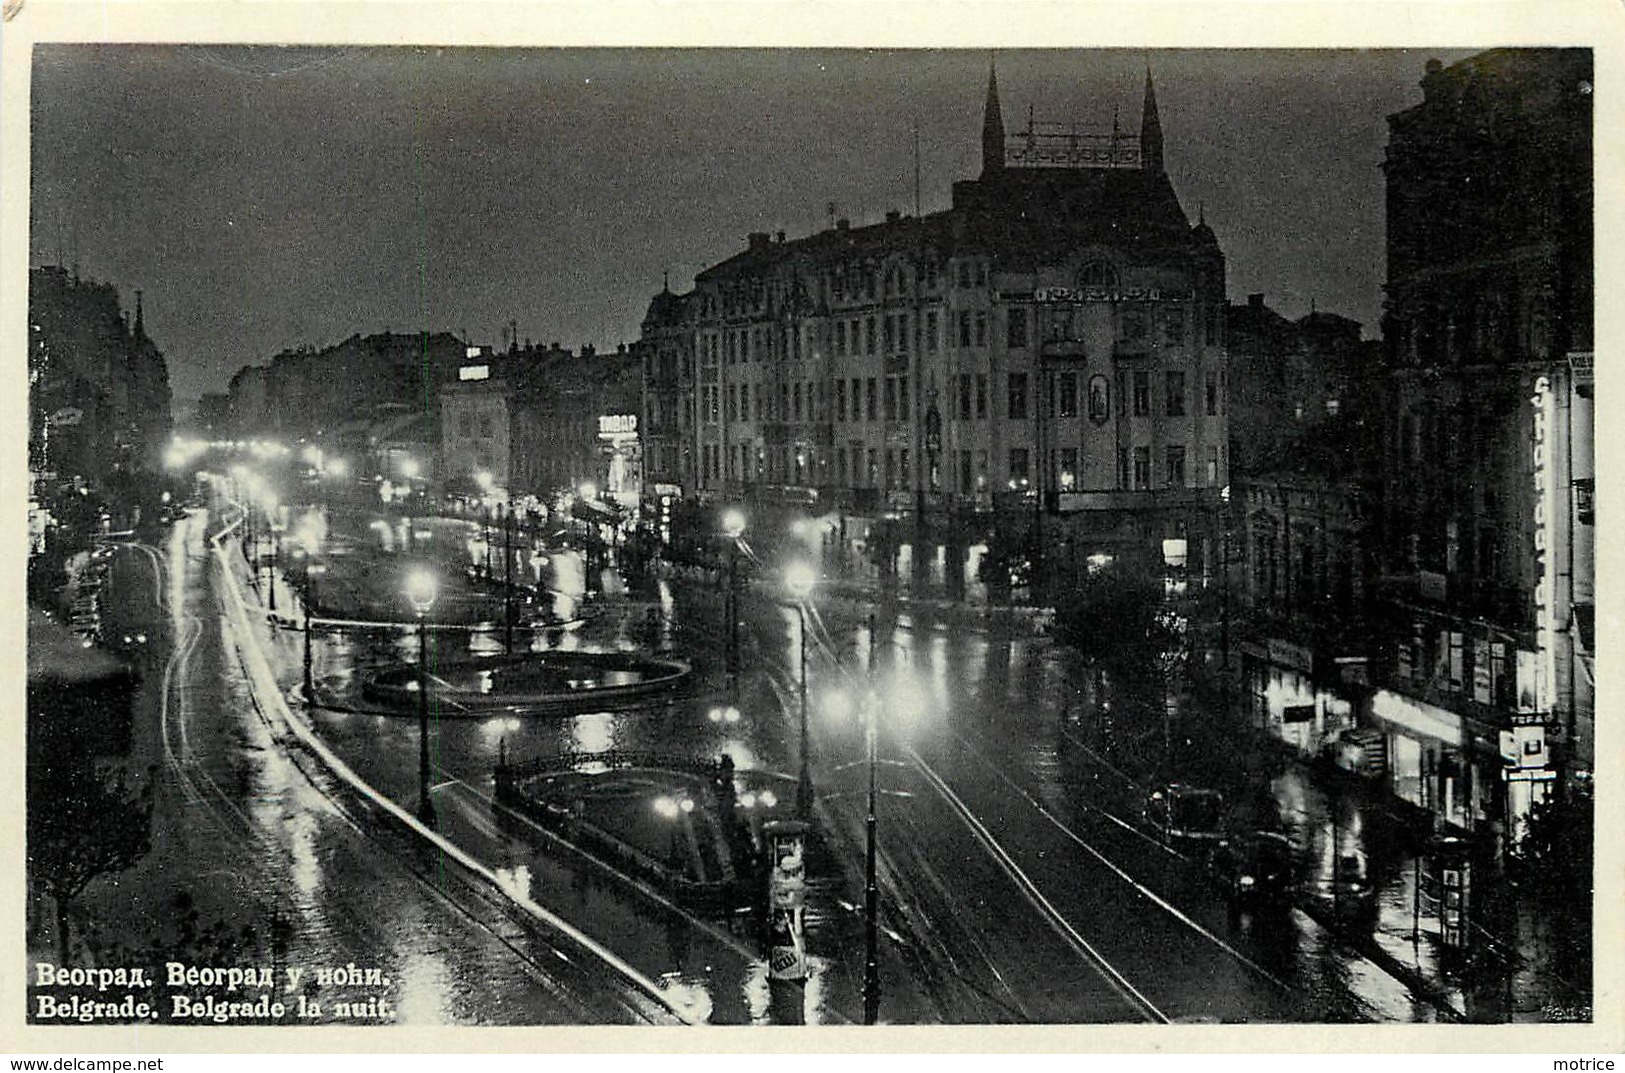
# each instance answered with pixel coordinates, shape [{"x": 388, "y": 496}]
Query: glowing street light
[
  {"x": 798, "y": 580},
  {"x": 421, "y": 590},
  {"x": 733, "y": 527}
]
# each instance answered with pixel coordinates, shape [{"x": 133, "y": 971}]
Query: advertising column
[{"x": 786, "y": 897}]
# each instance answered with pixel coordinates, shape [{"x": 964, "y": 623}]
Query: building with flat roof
[{"x": 1488, "y": 541}]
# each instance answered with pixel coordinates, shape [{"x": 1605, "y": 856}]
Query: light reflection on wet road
[
  {"x": 258, "y": 839},
  {"x": 1016, "y": 883}
]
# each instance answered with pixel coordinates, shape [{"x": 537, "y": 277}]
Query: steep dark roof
[
  {"x": 664, "y": 308},
  {"x": 1029, "y": 215},
  {"x": 1019, "y": 215}
]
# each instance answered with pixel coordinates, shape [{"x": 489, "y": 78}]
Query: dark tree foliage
[
  {"x": 1555, "y": 853},
  {"x": 1118, "y": 618},
  {"x": 84, "y": 821}
]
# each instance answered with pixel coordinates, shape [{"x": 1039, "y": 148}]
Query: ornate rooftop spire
[
  {"x": 992, "y": 125},
  {"x": 1150, "y": 129}
]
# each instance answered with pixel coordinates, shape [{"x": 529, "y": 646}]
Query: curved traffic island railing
[{"x": 539, "y": 683}]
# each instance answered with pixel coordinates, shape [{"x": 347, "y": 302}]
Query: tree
[
  {"x": 1555, "y": 853},
  {"x": 84, "y": 821},
  {"x": 1117, "y": 616}
]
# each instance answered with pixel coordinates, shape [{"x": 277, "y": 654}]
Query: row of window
[
  {"x": 806, "y": 400},
  {"x": 855, "y": 282},
  {"x": 899, "y": 332},
  {"x": 889, "y": 468},
  {"x": 466, "y": 424}
]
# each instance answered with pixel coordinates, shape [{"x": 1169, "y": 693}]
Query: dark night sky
[{"x": 265, "y": 198}]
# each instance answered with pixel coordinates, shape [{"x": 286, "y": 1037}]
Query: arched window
[{"x": 1097, "y": 274}]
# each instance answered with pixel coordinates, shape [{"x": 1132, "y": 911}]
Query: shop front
[
  {"x": 1435, "y": 761},
  {"x": 1286, "y": 700}
]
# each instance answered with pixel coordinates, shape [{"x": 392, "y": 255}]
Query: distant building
[
  {"x": 1305, "y": 420},
  {"x": 212, "y": 418},
  {"x": 1039, "y": 366},
  {"x": 541, "y": 421},
  {"x": 1485, "y": 688},
  {"x": 1287, "y": 377},
  {"x": 308, "y": 393},
  {"x": 99, "y": 396}
]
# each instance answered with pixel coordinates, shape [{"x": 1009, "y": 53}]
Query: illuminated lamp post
[
  {"x": 507, "y": 577},
  {"x": 275, "y": 527},
  {"x": 421, "y": 589},
  {"x": 798, "y": 579},
  {"x": 733, "y": 527}
]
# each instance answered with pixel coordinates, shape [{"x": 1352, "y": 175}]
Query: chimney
[
  {"x": 842, "y": 224},
  {"x": 758, "y": 239},
  {"x": 1255, "y": 301},
  {"x": 779, "y": 237},
  {"x": 892, "y": 216}
]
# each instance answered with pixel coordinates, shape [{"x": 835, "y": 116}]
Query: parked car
[
  {"x": 1255, "y": 868},
  {"x": 1186, "y": 816},
  {"x": 130, "y": 640}
]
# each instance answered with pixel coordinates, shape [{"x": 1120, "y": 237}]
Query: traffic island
[
  {"x": 541, "y": 683},
  {"x": 691, "y": 829}
]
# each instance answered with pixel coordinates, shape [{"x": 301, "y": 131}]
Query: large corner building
[
  {"x": 1039, "y": 366},
  {"x": 1489, "y": 539}
]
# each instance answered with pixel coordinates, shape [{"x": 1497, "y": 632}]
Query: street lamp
[
  {"x": 798, "y": 579},
  {"x": 506, "y": 513},
  {"x": 273, "y": 524},
  {"x": 871, "y": 887},
  {"x": 733, "y": 526},
  {"x": 312, "y": 570},
  {"x": 899, "y": 699},
  {"x": 421, "y": 588}
]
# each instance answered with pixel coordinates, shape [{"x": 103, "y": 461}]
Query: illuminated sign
[
  {"x": 1100, "y": 294},
  {"x": 474, "y": 372},
  {"x": 1545, "y": 671},
  {"x": 614, "y": 426}
]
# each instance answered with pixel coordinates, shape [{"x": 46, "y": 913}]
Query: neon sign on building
[{"x": 1541, "y": 486}]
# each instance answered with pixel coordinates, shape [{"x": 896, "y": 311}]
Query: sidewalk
[{"x": 1505, "y": 974}]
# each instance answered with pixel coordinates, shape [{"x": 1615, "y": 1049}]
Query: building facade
[
  {"x": 541, "y": 421},
  {"x": 1488, "y": 538},
  {"x": 99, "y": 397},
  {"x": 1042, "y": 365}
]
